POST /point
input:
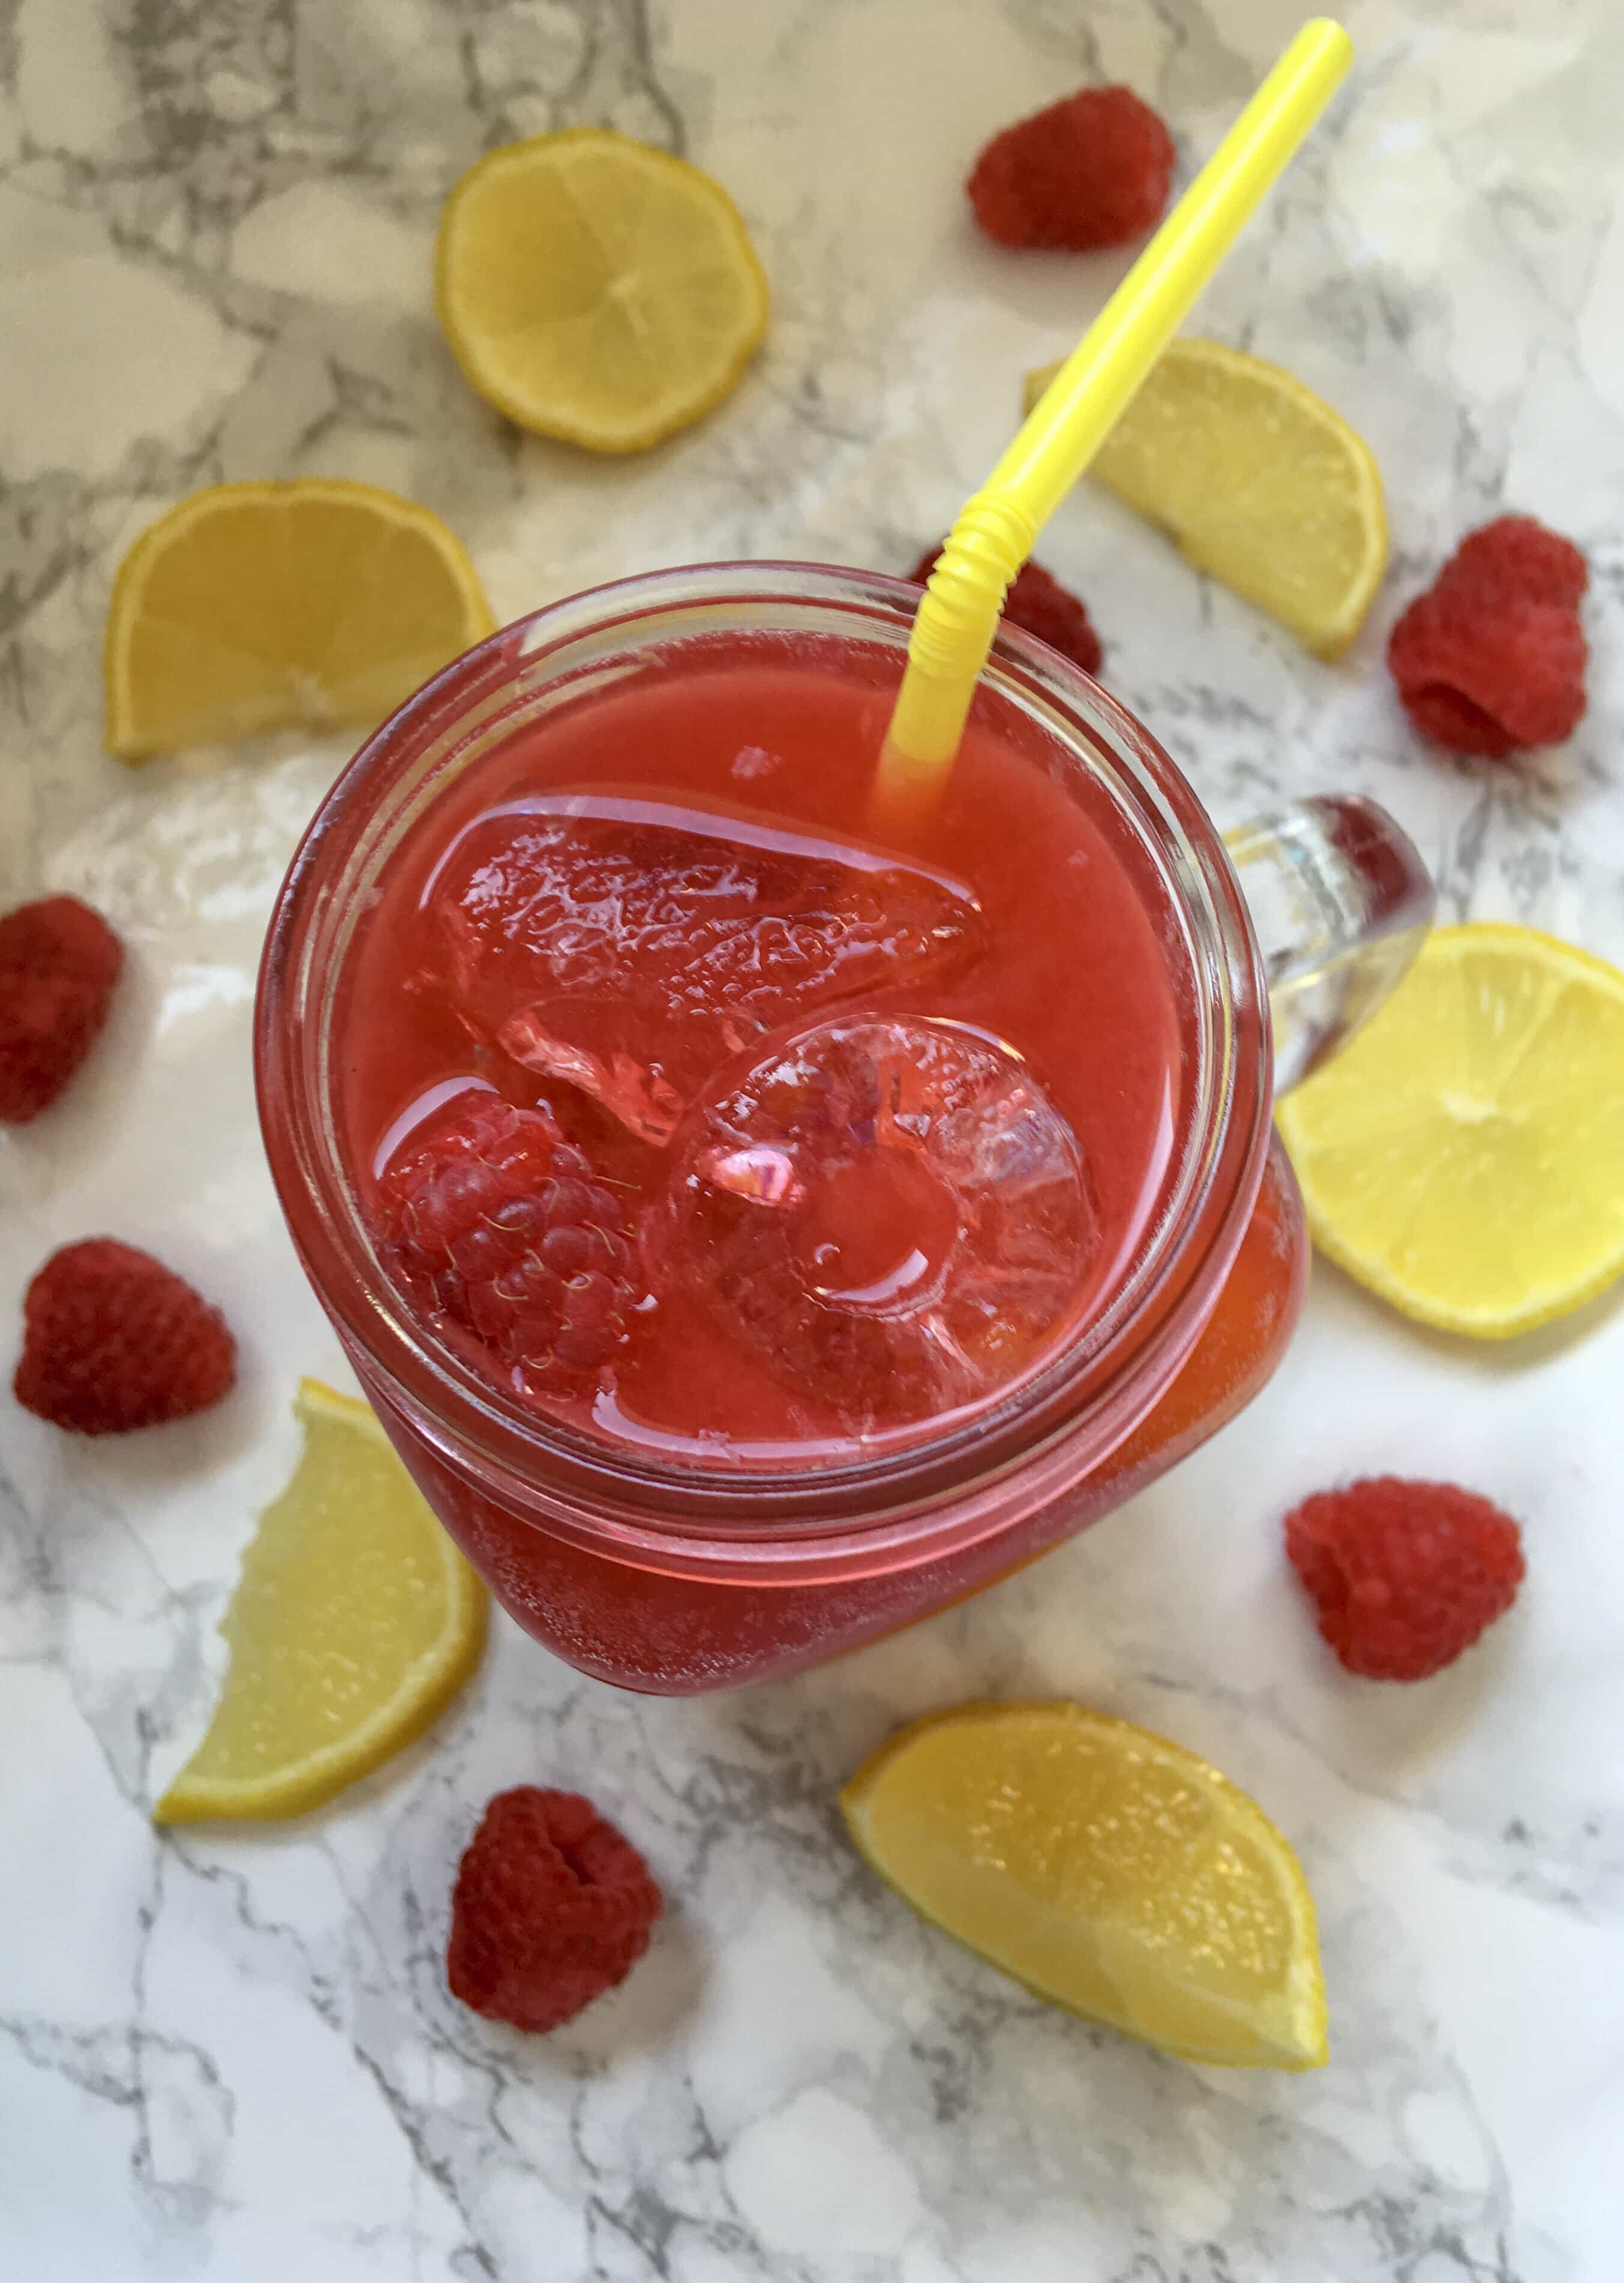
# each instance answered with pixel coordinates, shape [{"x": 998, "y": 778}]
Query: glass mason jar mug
[{"x": 675, "y": 1567}]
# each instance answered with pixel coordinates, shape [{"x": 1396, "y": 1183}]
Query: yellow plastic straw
[{"x": 997, "y": 529}]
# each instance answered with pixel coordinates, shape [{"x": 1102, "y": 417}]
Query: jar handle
[{"x": 1341, "y": 903}]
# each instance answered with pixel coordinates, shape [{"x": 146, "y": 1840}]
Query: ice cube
[
  {"x": 629, "y": 946},
  {"x": 890, "y": 1211}
]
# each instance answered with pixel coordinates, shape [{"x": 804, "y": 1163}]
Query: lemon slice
[
  {"x": 1259, "y": 481},
  {"x": 1463, "y": 1156},
  {"x": 597, "y": 290},
  {"x": 1108, "y": 1870},
  {"x": 353, "y": 1624},
  {"x": 310, "y": 605}
]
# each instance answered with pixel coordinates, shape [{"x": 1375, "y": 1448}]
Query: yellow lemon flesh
[
  {"x": 1465, "y": 1156},
  {"x": 597, "y": 290},
  {"x": 1258, "y": 480},
  {"x": 311, "y": 604},
  {"x": 1108, "y": 1870},
  {"x": 355, "y": 1623}
]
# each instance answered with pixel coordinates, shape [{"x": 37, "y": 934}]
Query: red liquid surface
[
  {"x": 960, "y": 1061},
  {"x": 559, "y": 897}
]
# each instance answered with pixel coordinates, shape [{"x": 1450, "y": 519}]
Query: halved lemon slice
[
  {"x": 1463, "y": 1156},
  {"x": 1258, "y": 480},
  {"x": 355, "y": 1623},
  {"x": 597, "y": 290},
  {"x": 311, "y": 604},
  {"x": 1107, "y": 1869}
]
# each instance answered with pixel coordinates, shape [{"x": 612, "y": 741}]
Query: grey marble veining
[{"x": 236, "y": 2056}]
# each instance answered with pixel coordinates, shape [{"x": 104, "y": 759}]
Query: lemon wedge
[
  {"x": 1108, "y": 1870},
  {"x": 597, "y": 290},
  {"x": 355, "y": 1623},
  {"x": 310, "y": 605},
  {"x": 1258, "y": 480},
  {"x": 1463, "y": 1156}
]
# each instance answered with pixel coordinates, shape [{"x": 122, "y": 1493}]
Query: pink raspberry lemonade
[{"x": 755, "y": 1230}]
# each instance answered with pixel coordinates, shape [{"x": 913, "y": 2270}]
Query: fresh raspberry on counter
[
  {"x": 58, "y": 963},
  {"x": 1038, "y": 604},
  {"x": 112, "y": 1340},
  {"x": 1090, "y": 170},
  {"x": 1491, "y": 659},
  {"x": 1518, "y": 555},
  {"x": 1405, "y": 1576},
  {"x": 497, "y": 1222},
  {"x": 551, "y": 1908}
]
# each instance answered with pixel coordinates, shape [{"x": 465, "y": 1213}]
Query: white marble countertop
[{"x": 234, "y": 2057}]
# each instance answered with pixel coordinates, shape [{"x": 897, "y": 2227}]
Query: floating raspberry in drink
[
  {"x": 497, "y": 1224},
  {"x": 552, "y": 1908},
  {"x": 626, "y": 946},
  {"x": 1405, "y": 1576},
  {"x": 1090, "y": 170},
  {"x": 890, "y": 1212}
]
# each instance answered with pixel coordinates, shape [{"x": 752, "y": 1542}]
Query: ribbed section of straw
[{"x": 958, "y": 617}]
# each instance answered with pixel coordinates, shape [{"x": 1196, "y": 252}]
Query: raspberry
[
  {"x": 1091, "y": 170},
  {"x": 113, "y": 1340},
  {"x": 1039, "y": 605},
  {"x": 1518, "y": 555},
  {"x": 1491, "y": 659},
  {"x": 58, "y": 962},
  {"x": 1490, "y": 671},
  {"x": 552, "y": 1907},
  {"x": 497, "y": 1222},
  {"x": 1404, "y": 1575},
  {"x": 1454, "y": 721}
]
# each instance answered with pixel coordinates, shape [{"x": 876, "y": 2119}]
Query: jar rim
[{"x": 1069, "y": 1414}]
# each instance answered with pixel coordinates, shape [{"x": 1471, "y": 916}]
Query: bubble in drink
[
  {"x": 890, "y": 1211},
  {"x": 629, "y": 946}
]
